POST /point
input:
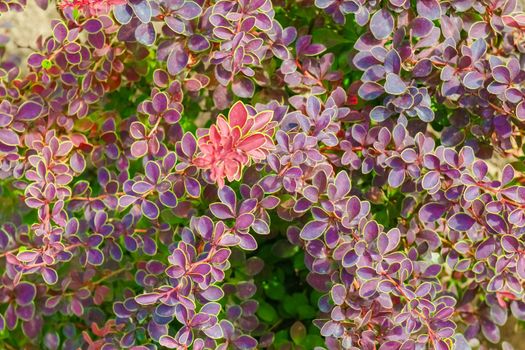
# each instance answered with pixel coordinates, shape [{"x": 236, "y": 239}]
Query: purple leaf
[
  {"x": 245, "y": 342},
  {"x": 77, "y": 162},
  {"x": 95, "y": 257},
  {"x": 35, "y": 60},
  {"x": 350, "y": 258},
  {"x": 148, "y": 298},
  {"x": 29, "y": 110},
  {"x": 396, "y": 177},
  {"x": 150, "y": 209},
  {"x": 382, "y": 24},
  {"x": 243, "y": 87},
  {"x": 421, "y": 26},
  {"x": 422, "y": 68},
  {"x": 153, "y": 172},
  {"x": 142, "y": 187},
  {"x": 123, "y": 13},
  {"x": 510, "y": 243},
  {"x": 60, "y": 32},
  {"x": 189, "y": 10},
  {"x": 127, "y": 200},
  {"x": 49, "y": 275},
  {"x": 370, "y": 91},
  {"x": 380, "y": 114},
  {"x": 430, "y": 212},
  {"x": 520, "y": 110},
  {"x": 9, "y": 137},
  {"x": 25, "y": 293},
  {"x": 244, "y": 221},
  {"x": 175, "y": 24},
  {"x": 92, "y": 25},
  {"x": 480, "y": 169},
  {"x": 198, "y": 43},
  {"x": 485, "y": 249},
  {"x": 142, "y": 10},
  {"x": 392, "y": 62},
  {"x": 490, "y": 331},
  {"x": 429, "y": 9},
  {"x": 145, "y": 34},
  {"x": 221, "y": 211},
  {"x": 160, "y": 102},
  {"x": 177, "y": 60},
  {"x": 169, "y": 199},
  {"x": 313, "y": 229},
  {"x": 430, "y": 180},
  {"x": 139, "y": 149},
  {"x": 497, "y": 223},
  {"x": 473, "y": 80},
  {"x": 394, "y": 85},
  {"x": 461, "y": 222}
]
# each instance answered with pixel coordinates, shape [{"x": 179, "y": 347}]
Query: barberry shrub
[{"x": 265, "y": 174}]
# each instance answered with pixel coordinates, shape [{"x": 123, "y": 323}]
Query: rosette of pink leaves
[
  {"x": 233, "y": 143},
  {"x": 90, "y": 6}
]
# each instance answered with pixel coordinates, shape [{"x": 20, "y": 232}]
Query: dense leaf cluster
[{"x": 246, "y": 174}]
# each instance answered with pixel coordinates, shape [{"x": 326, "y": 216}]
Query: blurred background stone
[{"x": 23, "y": 28}]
